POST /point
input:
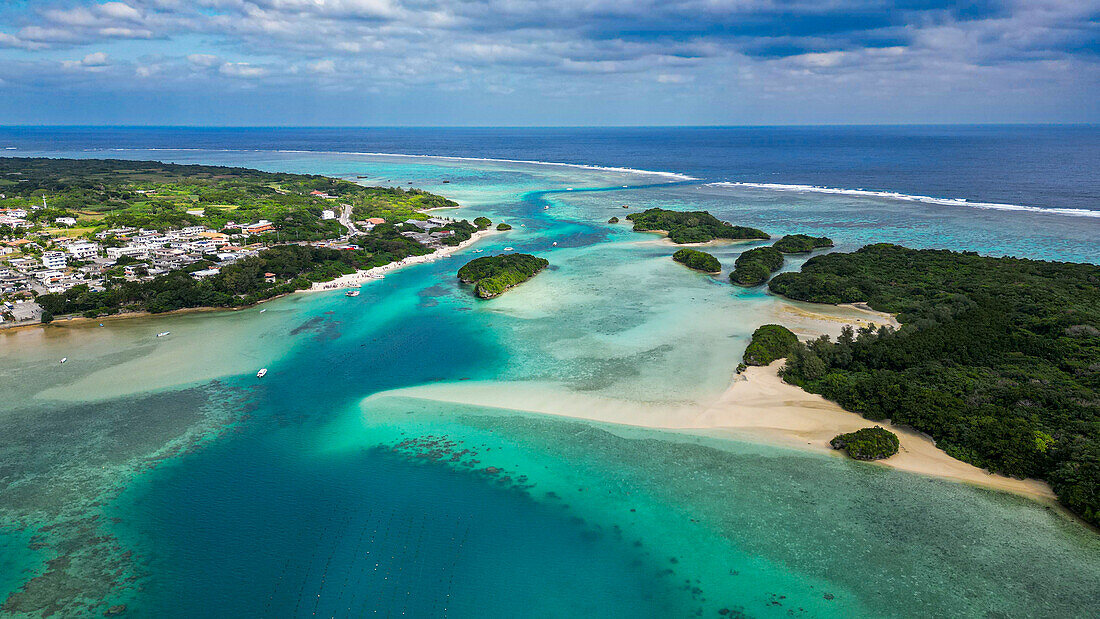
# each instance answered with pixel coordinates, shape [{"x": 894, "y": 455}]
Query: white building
[
  {"x": 53, "y": 260},
  {"x": 114, "y": 253},
  {"x": 328, "y": 214},
  {"x": 84, "y": 251},
  {"x": 65, "y": 221}
]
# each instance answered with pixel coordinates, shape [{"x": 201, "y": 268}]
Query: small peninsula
[
  {"x": 492, "y": 275},
  {"x": 874, "y": 443},
  {"x": 997, "y": 359},
  {"x": 802, "y": 243},
  {"x": 697, "y": 260},
  {"x": 769, "y": 343},
  {"x": 755, "y": 266},
  {"x": 691, "y": 227}
]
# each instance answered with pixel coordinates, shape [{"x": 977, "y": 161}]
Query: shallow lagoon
[{"x": 166, "y": 477}]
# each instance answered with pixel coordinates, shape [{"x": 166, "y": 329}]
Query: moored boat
[
  {"x": 351, "y": 293},
  {"x": 261, "y": 373}
]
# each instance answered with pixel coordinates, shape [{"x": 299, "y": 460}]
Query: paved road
[{"x": 345, "y": 219}]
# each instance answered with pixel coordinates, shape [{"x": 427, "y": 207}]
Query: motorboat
[
  {"x": 507, "y": 249},
  {"x": 261, "y": 373},
  {"x": 64, "y": 359},
  {"x": 163, "y": 333},
  {"x": 351, "y": 293},
  {"x": 262, "y": 311}
]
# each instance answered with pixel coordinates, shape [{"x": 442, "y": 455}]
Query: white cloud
[{"x": 242, "y": 70}]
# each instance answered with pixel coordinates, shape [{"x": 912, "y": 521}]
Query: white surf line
[
  {"x": 582, "y": 166},
  {"x": 1073, "y": 212}
]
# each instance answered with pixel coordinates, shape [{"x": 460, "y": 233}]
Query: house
[
  {"x": 259, "y": 227},
  {"x": 269, "y": 278},
  {"x": 376, "y": 220},
  {"x": 65, "y": 221},
  {"x": 83, "y": 251},
  {"x": 328, "y": 214},
  {"x": 321, "y": 194},
  {"x": 205, "y": 273},
  {"x": 53, "y": 260},
  {"x": 114, "y": 253}
]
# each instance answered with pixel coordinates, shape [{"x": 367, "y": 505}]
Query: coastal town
[{"x": 50, "y": 255}]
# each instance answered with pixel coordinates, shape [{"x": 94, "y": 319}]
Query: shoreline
[
  {"x": 63, "y": 321},
  {"x": 362, "y": 276}
]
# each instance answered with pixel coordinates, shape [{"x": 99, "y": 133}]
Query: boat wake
[{"x": 891, "y": 195}]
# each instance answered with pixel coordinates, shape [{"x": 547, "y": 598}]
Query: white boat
[
  {"x": 569, "y": 189},
  {"x": 351, "y": 293},
  {"x": 163, "y": 333},
  {"x": 261, "y": 373},
  {"x": 546, "y": 207},
  {"x": 478, "y": 251},
  {"x": 507, "y": 249},
  {"x": 555, "y": 243},
  {"x": 262, "y": 311},
  {"x": 64, "y": 359}
]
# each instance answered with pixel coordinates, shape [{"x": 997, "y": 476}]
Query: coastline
[{"x": 354, "y": 280}]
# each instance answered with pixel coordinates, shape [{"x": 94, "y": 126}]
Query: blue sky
[{"x": 548, "y": 62}]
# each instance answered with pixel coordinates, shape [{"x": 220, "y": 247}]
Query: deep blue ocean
[{"x": 1047, "y": 166}]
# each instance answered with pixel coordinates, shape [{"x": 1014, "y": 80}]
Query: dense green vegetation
[
  {"x": 691, "y": 227},
  {"x": 802, "y": 243},
  {"x": 102, "y": 193},
  {"x": 503, "y": 226},
  {"x": 461, "y": 231},
  {"x": 482, "y": 223},
  {"x": 698, "y": 260},
  {"x": 769, "y": 342},
  {"x": 755, "y": 266},
  {"x": 492, "y": 275},
  {"x": 868, "y": 443},
  {"x": 613, "y": 220},
  {"x": 241, "y": 283},
  {"x": 998, "y": 359}
]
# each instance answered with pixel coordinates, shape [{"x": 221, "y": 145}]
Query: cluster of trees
[
  {"x": 868, "y": 443},
  {"x": 503, "y": 226},
  {"x": 755, "y": 266},
  {"x": 154, "y": 195},
  {"x": 295, "y": 267},
  {"x": 998, "y": 359},
  {"x": 482, "y": 223},
  {"x": 492, "y": 275},
  {"x": 691, "y": 227},
  {"x": 462, "y": 231},
  {"x": 769, "y": 343},
  {"x": 698, "y": 260},
  {"x": 613, "y": 220},
  {"x": 802, "y": 243}
]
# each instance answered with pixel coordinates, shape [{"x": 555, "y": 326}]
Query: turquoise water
[{"x": 161, "y": 474}]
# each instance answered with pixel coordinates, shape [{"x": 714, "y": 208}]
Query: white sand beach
[{"x": 354, "y": 280}]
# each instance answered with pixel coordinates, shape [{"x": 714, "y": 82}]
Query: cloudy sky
[{"x": 547, "y": 62}]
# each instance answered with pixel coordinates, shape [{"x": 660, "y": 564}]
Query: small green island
[
  {"x": 503, "y": 226},
  {"x": 875, "y": 443},
  {"x": 698, "y": 260},
  {"x": 492, "y": 275},
  {"x": 769, "y": 343},
  {"x": 613, "y": 220},
  {"x": 755, "y": 266},
  {"x": 691, "y": 226},
  {"x": 997, "y": 359},
  {"x": 482, "y": 223},
  {"x": 802, "y": 243}
]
